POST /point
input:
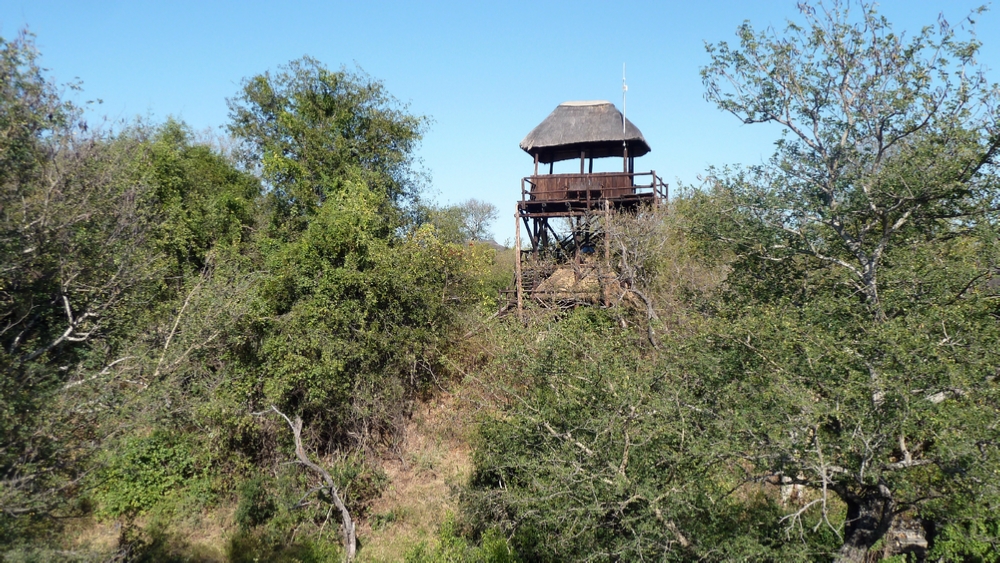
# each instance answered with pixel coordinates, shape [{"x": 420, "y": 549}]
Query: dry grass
[
  {"x": 206, "y": 538},
  {"x": 434, "y": 458},
  {"x": 88, "y": 535},
  {"x": 200, "y": 538}
]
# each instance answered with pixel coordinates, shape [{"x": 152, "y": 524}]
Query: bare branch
[{"x": 350, "y": 538}]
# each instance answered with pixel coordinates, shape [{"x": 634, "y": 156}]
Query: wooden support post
[
  {"x": 625, "y": 159},
  {"x": 583, "y": 159},
  {"x": 607, "y": 255},
  {"x": 517, "y": 259},
  {"x": 576, "y": 253},
  {"x": 656, "y": 190},
  {"x": 536, "y": 164}
]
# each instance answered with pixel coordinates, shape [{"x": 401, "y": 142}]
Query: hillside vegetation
[{"x": 274, "y": 348}]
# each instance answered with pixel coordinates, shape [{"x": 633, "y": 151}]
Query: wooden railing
[{"x": 593, "y": 187}]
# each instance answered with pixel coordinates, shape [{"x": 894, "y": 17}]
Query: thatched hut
[
  {"x": 586, "y": 130},
  {"x": 594, "y": 129}
]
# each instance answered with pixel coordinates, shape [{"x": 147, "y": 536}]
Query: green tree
[
  {"x": 602, "y": 452},
  {"x": 308, "y": 130},
  {"x": 477, "y": 218},
  {"x": 72, "y": 234},
  {"x": 352, "y": 319},
  {"x": 109, "y": 243},
  {"x": 355, "y": 304},
  {"x": 884, "y": 136},
  {"x": 852, "y": 355},
  {"x": 204, "y": 200},
  {"x": 463, "y": 222}
]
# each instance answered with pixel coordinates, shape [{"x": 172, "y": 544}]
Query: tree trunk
[
  {"x": 869, "y": 516},
  {"x": 872, "y": 299},
  {"x": 907, "y": 536}
]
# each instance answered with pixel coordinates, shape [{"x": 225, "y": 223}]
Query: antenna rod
[
  {"x": 625, "y": 167},
  {"x": 624, "y": 105}
]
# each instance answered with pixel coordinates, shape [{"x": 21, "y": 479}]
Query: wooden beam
[
  {"x": 555, "y": 236},
  {"x": 656, "y": 191},
  {"x": 576, "y": 252},
  {"x": 517, "y": 258},
  {"x": 607, "y": 254},
  {"x": 531, "y": 237}
]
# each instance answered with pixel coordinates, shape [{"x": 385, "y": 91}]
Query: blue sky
[{"x": 485, "y": 72}]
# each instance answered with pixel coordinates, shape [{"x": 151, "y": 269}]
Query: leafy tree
[
  {"x": 885, "y": 136},
  {"x": 447, "y": 222},
  {"x": 602, "y": 452},
  {"x": 106, "y": 241},
  {"x": 355, "y": 306},
  {"x": 72, "y": 234},
  {"x": 852, "y": 355},
  {"x": 31, "y": 107},
  {"x": 477, "y": 218},
  {"x": 463, "y": 222},
  {"x": 308, "y": 131},
  {"x": 351, "y": 320},
  {"x": 152, "y": 294},
  {"x": 204, "y": 200}
]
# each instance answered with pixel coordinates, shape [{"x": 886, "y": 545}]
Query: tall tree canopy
[
  {"x": 100, "y": 231},
  {"x": 307, "y": 130},
  {"x": 854, "y": 353},
  {"x": 884, "y": 135},
  {"x": 354, "y": 302}
]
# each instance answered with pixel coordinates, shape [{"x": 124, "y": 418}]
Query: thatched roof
[{"x": 595, "y": 127}]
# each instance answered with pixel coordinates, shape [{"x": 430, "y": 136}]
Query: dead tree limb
[
  {"x": 177, "y": 321},
  {"x": 350, "y": 539}
]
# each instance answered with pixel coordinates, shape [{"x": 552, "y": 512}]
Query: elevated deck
[{"x": 570, "y": 195}]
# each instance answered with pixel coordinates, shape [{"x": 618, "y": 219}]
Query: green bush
[
  {"x": 143, "y": 471},
  {"x": 276, "y": 523},
  {"x": 251, "y": 548},
  {"x": 256, "y": 505},
  {"x": 453, "y": 547}
]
